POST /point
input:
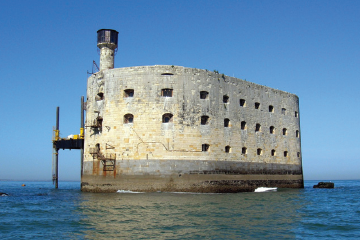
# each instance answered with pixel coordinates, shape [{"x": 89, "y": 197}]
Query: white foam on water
[
  {"x": 127, "y": 191},
  {"x": 265, "y": 189}
]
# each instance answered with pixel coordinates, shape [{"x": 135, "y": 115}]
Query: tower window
[
  {"x": 284, "y": 131},
  {"x": 166, "y": 92},
  {"x": 226, "y": 122},
  {"x": 257, "y": 105},
  {"x": 298, "y": 154},
  {"x": 99, "y": 96},
  {"x": 283, "y": 111},
  {"x": 228, "y": 149},
  {"x": 242, "y": 102},
  {"x": 129, "y": 93},
  {"x": 204, "y": 120},
  {"x": 285, "y": 153},
  {"x": 244, "y": 150},
  {"x": 272, "y": 130},
  {"x": 225, "y": 99},
  {"x": 259, "y": 151},
  {"x": 167, "y": 118},
  {"x": 297, "y": 133},
  {"x": 243, "y": 125},
  {"x": 271, "y": 108},
  {"x": 257, "y": 127},
  {"x": 296, "y": 114},
  {"x": 167, "y": 74},
  {"x": 205, "y": 147},
  {"x": 273, "y": 152},
  {"x": 128, "y": 118},
  {"x": 204, "y": 95}
]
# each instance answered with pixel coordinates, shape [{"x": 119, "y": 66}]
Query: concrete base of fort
[{"x": 189, "y": 176}]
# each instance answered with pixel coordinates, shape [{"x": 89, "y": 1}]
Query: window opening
[
  {"x": 273, "y": 152},
  {"x": 204, "y": 120},
  {"x": 227, "y": 149},
  {"x": 285, "y": 153},
  {"x": 167, "y": 74},
  {"x": 296, "y": 114},
  {"x": 298, "y": 154},
  {"x": 242, "y": 102},
  {"x": 204, "y": 95},
  {"x": 257, "y": 105},
  {"x": 97, "y": 147},
  {"x": 272, "y": 130},
  {"x": 205, "y": 147},
  {"x": 226, "y": 122},
  {"x": 284, "y": 131},
  {"x": 297, "y": 133},
  {"x": 99, "y": 96},
  {"x": 129, "y": 93},
  {"x": 225, "y": 99},
  {"x": 244, "y": 150},
  {"x": 166, "y": 92},
  {"x": 167, "y": 118},
  {"x": 283, "y": 111},
  {"x": 243, "y": 125},
  {"x": 259, "y": 151},
  {"x": 257, "y": 127},
  {"x": 128, "y": 118},
  {"x": 271, "y": 108}
]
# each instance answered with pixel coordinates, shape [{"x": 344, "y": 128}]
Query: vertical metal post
[
  {"x": 83, "y": 132},
  {"x": 57, "y": 151}
]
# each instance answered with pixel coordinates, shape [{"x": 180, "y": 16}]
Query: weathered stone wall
[{"x": 148, "y": 138}]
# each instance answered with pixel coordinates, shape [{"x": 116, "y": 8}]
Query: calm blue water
[{"x": 38, "y": 211}]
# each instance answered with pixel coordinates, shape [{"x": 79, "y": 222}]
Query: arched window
[
  {"x": 167, "y": 118},
  {"x": 228, "y": 149},
  {"x": 257, "y": 105},
  {"x": 257, "y": 127},
  {"x": 244, "y": 150},
  {"x": 225, "y": 99},
  {"x": 129, "y": 93},
  {"x": 272, "y": 130},
  {"x": 273, "y": 152},
  {"x": 284, "y": 131},
  {"x": 204, "y": 95},
  {"x": 166, "y": 92},
  {"x": 271, "y": 108},
  {"x": 205, "y": 147},
  {"x": 242, "y": 103},
  {"x": 128, "y": 118},
  {"x": 297, "y": 133},
  {"x": 243, "y": 125},
  {"x": 226, "y": 122},
  {"x": 204, "y": 120},
  {"x": 285, "y": 153},
  {"x": 259, "y": 151}
]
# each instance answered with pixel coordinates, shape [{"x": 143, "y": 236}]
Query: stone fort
[{"x": 172, "y": 128}]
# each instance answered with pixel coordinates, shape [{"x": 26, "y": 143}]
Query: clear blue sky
[{"x": 310, "y": 48}]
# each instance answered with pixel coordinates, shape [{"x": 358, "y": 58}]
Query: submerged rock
[
  {"x": 2, "y": 194},
  {"x": 324, "y": 185}
]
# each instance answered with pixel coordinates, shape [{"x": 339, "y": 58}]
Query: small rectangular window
[
  {"x": 204, "y": 95},
  {"x": 257, "y": 105},
  {"x": 129, "y": 93},
  {"x": 296, "y": 114},
  {"x": 166, "y": 92},
  {"x": 205, "y": 147},
  {"x": 242, "y": 102},
  {"x": 283, "y": 111}
]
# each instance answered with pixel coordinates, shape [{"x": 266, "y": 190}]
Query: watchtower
[{"x": 107, "y": 42}]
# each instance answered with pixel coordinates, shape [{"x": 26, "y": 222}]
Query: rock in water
[
  {"x": 324, "y": 185},
  {"x": 2, "y": 194}
]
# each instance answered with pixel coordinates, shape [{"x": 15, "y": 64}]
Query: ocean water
[{"x": 38, "y": 211}]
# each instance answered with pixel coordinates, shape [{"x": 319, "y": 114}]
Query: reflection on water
[{"x": 176, "y": 215}]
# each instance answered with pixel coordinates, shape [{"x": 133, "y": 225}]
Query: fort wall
[{"x": 175, "y": 128}]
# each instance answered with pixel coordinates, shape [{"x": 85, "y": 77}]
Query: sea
[{"x": 38, "y": 211}]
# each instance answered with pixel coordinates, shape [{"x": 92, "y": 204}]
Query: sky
[{"x": 307, "y": 47}]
